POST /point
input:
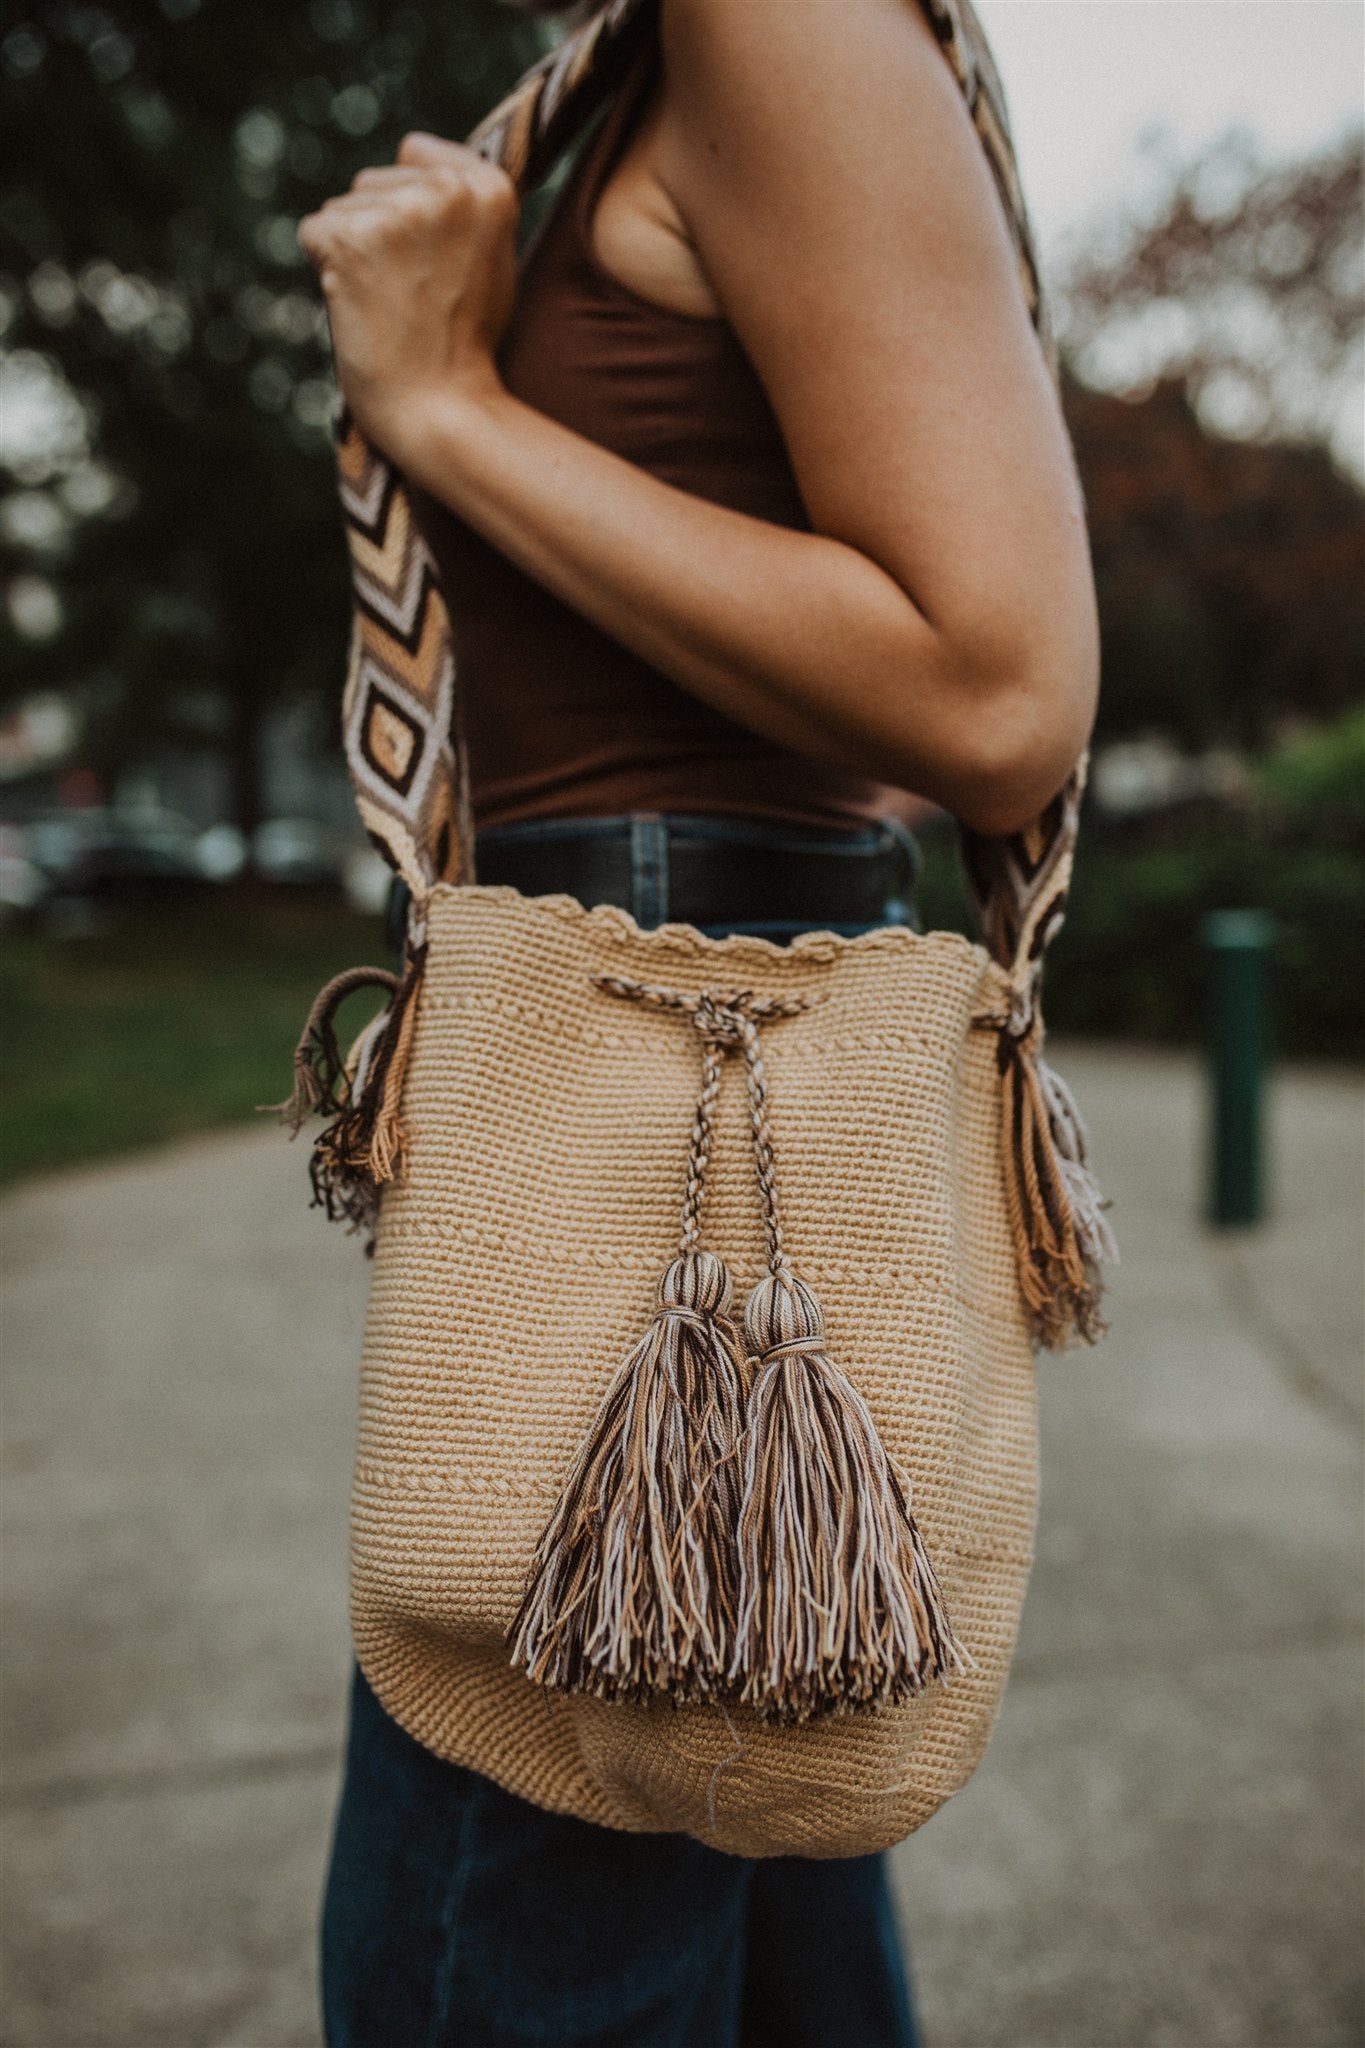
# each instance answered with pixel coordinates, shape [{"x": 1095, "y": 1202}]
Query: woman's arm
[{"x": 937, "y": 629}]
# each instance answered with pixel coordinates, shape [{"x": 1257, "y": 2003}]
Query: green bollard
[{"x": 1238, "y": 943}]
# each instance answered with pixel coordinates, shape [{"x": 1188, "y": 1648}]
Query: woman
[{"x": 754, "y": 501}]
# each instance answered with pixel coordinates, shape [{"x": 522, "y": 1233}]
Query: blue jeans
[
  {"x": 459, "y": 1916},
  {"x": 647, "y": 836}
]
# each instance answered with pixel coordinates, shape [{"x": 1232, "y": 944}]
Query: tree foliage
[
  {"x": 1230, "y": 573},
  {"x": 184, "y": 508},
  {"x": 1244, "y": 280},
  {"x": 1230, "y": 564}
]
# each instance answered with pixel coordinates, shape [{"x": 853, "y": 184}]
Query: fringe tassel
[
  {"x": 1056, "y": 1210},
  {"x": 1087, "y": 1203},
  {"x": 362, "y": 1147},
  {"x": 839, "y": 1605},
  {"x": 320, "y": 1085},
  {"x": 633, "y": 1588}
]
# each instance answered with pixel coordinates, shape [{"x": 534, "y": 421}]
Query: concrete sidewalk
[{"x": 1163, "y": 1847}]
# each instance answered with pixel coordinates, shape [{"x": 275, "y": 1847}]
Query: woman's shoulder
[
  {"x": 735, "y": 23},
  {"x": 744, "y": 84},
  {"x": 793, "y": 58},
  {"x": 828, "y": 141},
  {"x": 803, "y": 112}
]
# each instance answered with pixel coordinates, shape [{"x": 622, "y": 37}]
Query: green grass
[{"x": 163, "y": 1024}]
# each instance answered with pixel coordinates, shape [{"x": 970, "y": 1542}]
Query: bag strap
[{"x": 401, "y": 718}]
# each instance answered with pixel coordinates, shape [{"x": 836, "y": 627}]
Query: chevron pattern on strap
[
  {"x": 400, "y": 711},
  {"x": 555, "y": 99},
  {"x": 1019, "y": 887}
]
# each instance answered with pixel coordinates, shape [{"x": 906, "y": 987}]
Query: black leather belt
[{"x": 743, "y": 874}]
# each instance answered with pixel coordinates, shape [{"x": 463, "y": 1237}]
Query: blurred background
[{"x": 1175, "y": 1863}]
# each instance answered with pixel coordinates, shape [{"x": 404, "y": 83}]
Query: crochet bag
[{"x": 696, "y": 1471}]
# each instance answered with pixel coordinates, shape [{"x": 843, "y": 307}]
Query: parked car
[
  {"x": 22, "y": 884},
  {"x": 89, "y": 859},
  {"x": 297, "y": 850}
]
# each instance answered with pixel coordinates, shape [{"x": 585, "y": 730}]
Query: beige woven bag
[{"x": 696, "y": 1470}]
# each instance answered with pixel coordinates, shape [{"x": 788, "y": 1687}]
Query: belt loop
[{"x": 648, "y": 869}]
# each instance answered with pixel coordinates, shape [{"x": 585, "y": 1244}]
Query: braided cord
[
  {"x": 699, "y": 1152},
  {"x": 726, "y": 1022},
  {"x": 765, "y": 1166}
]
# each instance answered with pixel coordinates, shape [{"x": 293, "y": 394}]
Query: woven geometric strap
[
  {"x": 402, "y": 727},
  {"x": 401, "y": 717}
]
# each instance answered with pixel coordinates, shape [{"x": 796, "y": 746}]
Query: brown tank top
[{"x": 562, "y": 719}]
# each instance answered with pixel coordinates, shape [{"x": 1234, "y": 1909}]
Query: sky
[{"x": 1086, "y": 78}]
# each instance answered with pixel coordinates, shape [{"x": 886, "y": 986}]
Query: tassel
[
  {"x": 362, "y": 1148},
  {"x": 632, "y": 1591},
  {"x": 320, "y": 1084},
  {"x": 1055, "y": 1208},
  {"x": 633, "y": 1587},
  {"x": 1084, "y": 1198},
  {"x": 839, "y": 1605}
]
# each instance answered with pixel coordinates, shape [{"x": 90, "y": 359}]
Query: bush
[
  {"x": 1318, "y": 781},
  {"x": 1130, "y": 963}
]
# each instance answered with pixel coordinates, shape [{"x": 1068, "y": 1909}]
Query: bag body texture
[{"x": 516, "y": 1261}]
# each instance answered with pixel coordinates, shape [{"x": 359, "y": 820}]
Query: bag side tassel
[
  {"x": 1056, "y": 1209},
  {"x": 840, "y": 1608},
  {"x": 320, "y": 1083},
  {"x": 362, "y": 1147},
  {"x": 632, "y": 1591}
]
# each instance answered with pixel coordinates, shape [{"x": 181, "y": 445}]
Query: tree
[
  {"x": 1243, "y": 280},
  {"x": 1225, "y": 321},
  {"x": 1230, "y": 573},
  {"x": 166, "y": 369}
]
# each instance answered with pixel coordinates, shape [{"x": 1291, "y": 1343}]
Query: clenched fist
[{"x": 418, "y": 267}]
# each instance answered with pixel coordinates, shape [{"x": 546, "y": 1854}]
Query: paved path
[{"x": 1162, "y": 1849}]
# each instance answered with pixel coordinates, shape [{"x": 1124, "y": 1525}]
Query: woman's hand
[{"x": 418, "y": 267}]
